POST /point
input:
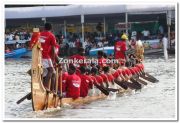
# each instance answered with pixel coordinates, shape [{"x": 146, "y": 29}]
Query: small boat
[
  {"x": 17, "y": 53},
  {"x": 107, "y": 50}
]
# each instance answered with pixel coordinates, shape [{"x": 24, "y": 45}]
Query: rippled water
[{"x": 154, "y": 101}]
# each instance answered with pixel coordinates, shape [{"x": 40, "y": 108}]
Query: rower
[
  {"x": 84, "y": 82},
  {"x": 110, "y": 77},
  {"x": 73, "y": 83},
  {"x": 101, "y": 59},
  {"x": 64, "y": 77},
  {"x": 97, "y": 80},
  {"x": 91, "y": 90},
  {"x": 79, "y": 59},
  {"x": 48, "y": 40}
]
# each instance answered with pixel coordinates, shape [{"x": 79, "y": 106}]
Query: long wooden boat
[{"x": 41, "y": 99}]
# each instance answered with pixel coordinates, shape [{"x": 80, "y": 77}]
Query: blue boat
[
  {"x": 107, "y": 50},
  {"x": 17, "y": 53}
]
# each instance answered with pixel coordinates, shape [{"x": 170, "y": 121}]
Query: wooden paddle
[
  {"x": 104, "y": 91},
  {"x": 112, "y": 89},
  {"x": 121, "y": 84},
  {"x": 150, "y": 76},
  {"x": 135, "y": 79},
  {"x": 27, "y": 96},
  {"x": 56, "y": 88},
  {"x": 148, "y": 79},
  {"x": 132, "y": 85},
  {"x": 60, "y": 95}
]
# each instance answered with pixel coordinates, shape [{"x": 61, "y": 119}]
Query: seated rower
[
  {"x": 110, "y": 78},
  {"x": 79, "y": 58},
  {"x": 64, "y": 77},
  {"x": 97, "y": 80},
  {"x": 85, "y": 81},
  {"x": 91, "y": 91},
  {"x": 101, "y": 59},
  {"x": 73, "y": 83}
]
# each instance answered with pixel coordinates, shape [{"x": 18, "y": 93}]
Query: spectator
[{"x": 146, "y": 34}]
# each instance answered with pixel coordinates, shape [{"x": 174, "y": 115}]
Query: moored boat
[{"x": 17, "y": 53}]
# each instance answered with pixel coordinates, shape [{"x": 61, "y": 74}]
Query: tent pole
[
  {"x": 82, "y": 24},
  {"x": 104, "y": 26},
  {"x": 65, "y": 34},
  {"x": 126, "y": 22}
]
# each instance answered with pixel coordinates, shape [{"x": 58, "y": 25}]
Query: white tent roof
[{"x": 70, "y": 10}]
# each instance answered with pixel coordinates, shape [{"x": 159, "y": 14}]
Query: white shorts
[
  {"x": 91, "y": 92},
  {"x": 46, "y": 63}
]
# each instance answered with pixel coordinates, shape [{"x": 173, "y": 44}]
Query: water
[{"x": 154, "y": 101}]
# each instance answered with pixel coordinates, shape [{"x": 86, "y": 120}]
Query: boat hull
[{"x": 16, "y": 53}]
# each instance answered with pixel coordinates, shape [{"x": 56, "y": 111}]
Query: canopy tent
[{"x": 71, "y": 10}]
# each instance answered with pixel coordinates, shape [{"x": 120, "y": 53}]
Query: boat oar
[
  {"x": 27, "y": 96},
  {"x": 151, "y": 77},
  {"x": 148, "y": 79},
  {"x": 132, "y": 85},
  {"x": 112, "y": 89},
  {"x": 138, "y": 80},
  {"x": 104, "y": 91},
  {"x": 121, "y": 84}
]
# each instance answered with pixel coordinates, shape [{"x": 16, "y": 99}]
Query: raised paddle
[{"x": 27, "y": 96}]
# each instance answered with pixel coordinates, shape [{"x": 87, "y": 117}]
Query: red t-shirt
[
  {"x": 64, "y": 77},
  {"x": 132, "y": 71},
  {"x": 78, "y": 60},
  {"x": 135, "y": 70},
  {"x": 99, "y": 79},
  {"x": 110, "y": 77},
  {"x": 91, "y": 81},
  {"x": 104, "y": 76},
  {"x": 47, "y": 40},
  {"x": 119, "y": 71},
  {"x": 73, "y": 84},
  {"x": 102, "y": 62},
  {"x": 119, "y": 49},
  {"x": 115, "y": 74},
  {"x": 84, "y": 85},
  {"x": 139, "y": 67},
  {"x": 128, "y": 72}
]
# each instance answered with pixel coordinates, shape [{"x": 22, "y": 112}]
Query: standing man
[
  {"x": 146, "y": 34},
  {"x": 120, "y": 48},
  {"x": 165, "y": 46},
  {"x": 48, "y": 43}
]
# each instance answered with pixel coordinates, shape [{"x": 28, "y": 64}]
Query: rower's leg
[
  {"x": 47, "y": 78},
  {"x": 53, "y": 82}
]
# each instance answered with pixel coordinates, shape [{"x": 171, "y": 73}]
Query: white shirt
[
  {"x": 134, "y": 33},
  {"x": 165, "y": 42},
  {"x": 145, "y": 33}
]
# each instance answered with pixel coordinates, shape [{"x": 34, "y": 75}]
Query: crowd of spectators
[{"x": 17, "y": 35}]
